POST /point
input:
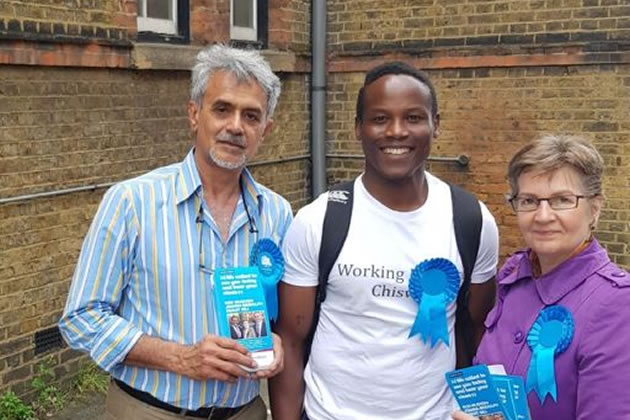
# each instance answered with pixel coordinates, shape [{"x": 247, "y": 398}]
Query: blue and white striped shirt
[{"x": 139, "y": 273}]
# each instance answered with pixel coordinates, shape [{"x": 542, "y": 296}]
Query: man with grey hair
[{"x": 141, "y": 297}]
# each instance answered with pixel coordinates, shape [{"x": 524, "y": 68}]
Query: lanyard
[{"x": 250, "y": 220}]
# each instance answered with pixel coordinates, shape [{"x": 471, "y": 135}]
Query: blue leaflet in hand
[
  {"x": 503, "y": 386},
  {"x": 475, "y": 392},
  {"x": 519, "y": 396},
  {"x": 511, "y": 390},
  {"x": 241, "y": 310}
]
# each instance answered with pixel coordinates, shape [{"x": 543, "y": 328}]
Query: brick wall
[
  {"x": 102, "y": 33},
  {"x": 210, "y": 21},
  {"x": 289, "y": 25},
  {"x": 105, "y": 124},
  {"x": 107, "y": 21},
  {"x": 63, "y": 127},
  {"x": 383, "y": 25},
  {"x": 505, "y": 71},
  {"x": 488, "y": 114},
  {"x": 289, "y": 140}
]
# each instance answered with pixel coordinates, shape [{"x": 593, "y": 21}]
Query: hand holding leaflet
[
  {"x": 486, "y": 392},
  {"x": 475, "y": 393}
]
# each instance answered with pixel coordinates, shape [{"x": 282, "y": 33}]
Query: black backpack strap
[
  {"x": 334, "y": 233},
  {"x": 334, "y": 230},
  {"x": 467, "y": 221}
]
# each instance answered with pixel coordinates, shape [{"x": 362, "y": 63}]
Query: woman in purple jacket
[{"x": 562, "y": 316}]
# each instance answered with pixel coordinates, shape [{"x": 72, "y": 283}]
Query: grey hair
[
  {"x": 551, "y": 152},
  {"x": 243, "y": 64}
]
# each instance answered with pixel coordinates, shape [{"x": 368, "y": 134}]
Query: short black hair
[{"x": 395, "y": 67}]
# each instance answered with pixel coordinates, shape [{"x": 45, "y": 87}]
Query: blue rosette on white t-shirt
[
  {"x": 550, "y": 335},
  {"x": 268, "y": 258},
  {"x": 434, "y": 284}
]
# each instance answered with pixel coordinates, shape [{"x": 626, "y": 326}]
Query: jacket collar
[{"x": 554, "y": 285}]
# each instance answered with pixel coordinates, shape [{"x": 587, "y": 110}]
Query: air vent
[{"x": 48, "y": 339}]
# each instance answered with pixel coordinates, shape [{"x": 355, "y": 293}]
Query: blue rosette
[
  {"x": 550, "y": 336},
  {"x": 434, "y": 284},
  {"x": 268, "y": 258}
]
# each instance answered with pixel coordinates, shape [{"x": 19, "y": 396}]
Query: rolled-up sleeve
[
  {"x": 90, "y": 321},
  {"x": 604, "y": 360}
]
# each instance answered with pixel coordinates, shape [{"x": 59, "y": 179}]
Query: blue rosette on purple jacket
[
  {"x": 268, "y": 258},
  {"x": 550, "y": 335},
  {"x": 434, "y": 284}
]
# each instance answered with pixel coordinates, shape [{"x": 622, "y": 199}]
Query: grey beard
[{"x": 224, "y": 163}]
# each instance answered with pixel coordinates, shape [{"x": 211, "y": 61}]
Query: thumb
[{"x": 459, "y": 415}]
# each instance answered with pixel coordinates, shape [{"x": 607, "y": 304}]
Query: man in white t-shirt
[{"x": 363, "y": 364}]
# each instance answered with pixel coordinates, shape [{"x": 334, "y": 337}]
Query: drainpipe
[{"x": 318, "y": 97}]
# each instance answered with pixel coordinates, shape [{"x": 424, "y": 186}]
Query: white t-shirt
[{"x": 362, "y": 363}]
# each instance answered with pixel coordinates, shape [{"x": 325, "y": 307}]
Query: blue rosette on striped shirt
[
  {"x": 550, "y": 336},
  {"x": 268, "y": 258},
  {"x": 434, "y": 284}
]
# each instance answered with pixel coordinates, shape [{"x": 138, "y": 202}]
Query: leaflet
[
  {"x": 511, "y": 390},
  {"x": 242, "y": 311},
  {"x": 489, "y": 396}
]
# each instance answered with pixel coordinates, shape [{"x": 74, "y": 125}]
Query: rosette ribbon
[
  {"x": 268, "y": 258},
  {"x": 434, "y": 284},
  {"x": 550, "y": 335}
]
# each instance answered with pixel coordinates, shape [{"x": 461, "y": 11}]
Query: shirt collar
[
  {"x": 555, "y": 284},
  {"x": 189, "y": 182}
]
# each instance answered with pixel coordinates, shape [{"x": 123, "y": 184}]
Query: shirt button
[
  {"x": 518, "y": 337},
  {"x": 618, "y": 274}
]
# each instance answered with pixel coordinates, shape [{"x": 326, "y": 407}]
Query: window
[
  {"x": 159, "y": 16},
  {"x": 164, "y": 21},
  {"x": 244, "y": 20}
]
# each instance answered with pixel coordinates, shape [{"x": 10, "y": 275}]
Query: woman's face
[{"x": 554, "y": 234}]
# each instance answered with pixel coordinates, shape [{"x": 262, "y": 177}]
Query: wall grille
[{"x": 48, "y": 339}]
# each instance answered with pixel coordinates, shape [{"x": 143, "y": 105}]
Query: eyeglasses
[{"x": 523, "y": 203}]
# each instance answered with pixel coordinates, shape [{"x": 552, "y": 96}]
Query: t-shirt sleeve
[
  {"x": 301, "y": 245},
  {"x": 488, "y": 255}
]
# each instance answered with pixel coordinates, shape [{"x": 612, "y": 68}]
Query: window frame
[
  {"x": 262, "y": 26},
  {"x": 175, "y": 31},
  {"x": 161, "y": 26},
  {"x": 241, "y": 33}
]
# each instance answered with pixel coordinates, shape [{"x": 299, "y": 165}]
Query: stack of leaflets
[
  {"x": 488, "y": 393},
  {"x": 242, "y": 312}
]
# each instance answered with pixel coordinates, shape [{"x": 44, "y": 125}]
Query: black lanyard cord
[{"x": 250, "y": 219}]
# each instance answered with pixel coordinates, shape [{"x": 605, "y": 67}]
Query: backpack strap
[
  {"x": 467, "y": 222},
  {"x": 334, "y": 233},
  {"x": 335, "y": 230}
]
